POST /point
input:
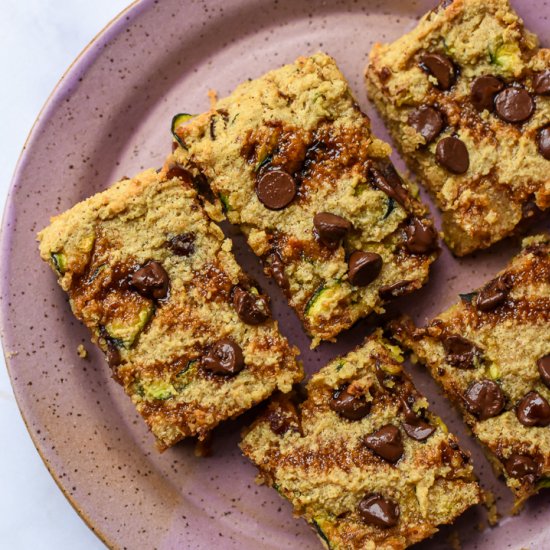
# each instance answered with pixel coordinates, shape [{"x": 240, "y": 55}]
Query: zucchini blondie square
[
  {"x": 466, "y": 97},
  {"x": 491, "y": 354},
  {"x": 188, "y": 335},
  {"x": 292, "y": 160},
  {"x": 362, "y": 459}
]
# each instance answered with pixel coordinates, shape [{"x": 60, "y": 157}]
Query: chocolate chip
[
  {"x": 519, "y": 466},
  {"x": 151, "y": 280},
  {"x": 452, "y": 154},
  {"x": 330, "y": 228},
  {"x": 379, "y": 511},
  {"x": 387, "y": 180},
  {"x": 176, "y": 171},
  {"x": 493, "y": 295},
  {"x": 543, "y": 365},
  {"x": 350, "y": 406},
  {"x": 253, "y": 309},
  {"x": 543, "y": 140},
  {"x": 441, "y": 67},
  {"x": 418, "y": 429},
  {"x": 484, "y": 89},
  {"x": 224, "y": 357},
  {"x": 112, "y": 354},
  {"x": 275, "y": 188},
  {"x": 364, "y": 267},
  {"x": 533, "y": 410},
  {"x": 386, "y": 443},
  {"x": 277, "y": 268},
  {"x": 427, "y": 121},
  {"x": 541, "y": 83},
  {"x": 484, "y": 399},
  {"x": 514, "y": 104},
  {"x": 386, "y": 292},
  {"x": 182, "y": 245},
  {"x": 421, "y": 236},
  {"x": 461, "y": 353},
  {"x": 278, "y": 423}
]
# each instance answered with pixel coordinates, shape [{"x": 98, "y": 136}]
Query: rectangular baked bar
[
  {"x": 491, "y": 354},
  {"x": 293, "y": 162},
  {"x": 186, "y": 333},
  {"x": 362, "y": 459},
  {"x": 466, "y": 97}
]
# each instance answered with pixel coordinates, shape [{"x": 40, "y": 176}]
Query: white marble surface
[{"x": 38, "y": 41}]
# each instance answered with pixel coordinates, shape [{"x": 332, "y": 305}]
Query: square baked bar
[
  {"x": 186, "y": 333},
  {"x": 491, "y": 354},
  {"x": 466, "y": 97},
  {"x": 292, "y": 161},
  {"x": 362, "y": 459}
]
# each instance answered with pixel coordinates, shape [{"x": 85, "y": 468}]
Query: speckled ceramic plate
[{"x": 109, "y": 117}]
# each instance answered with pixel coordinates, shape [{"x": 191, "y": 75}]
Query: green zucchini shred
[
  {"x": 158, "y": 390},
  {"x": 59, "y": 261},
  {"x": 261, "y": 163},
  {"x": 225, "y": 203},
  {"x": 389, "y": 208},
  {"x": 314, "y": 304},
  {"x": 124, "y": 334},
  {"x": 543, "y": 483},
  {"x": 178, "y": 120},
  {"x": 321, "y": 533}
]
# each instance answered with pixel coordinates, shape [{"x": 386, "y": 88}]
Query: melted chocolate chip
[
  {"x": 182, "y": 245},
  {"x": 386, "y": 292},
  {"x": 418, "y": 429},
  {"x": 452, "y": 154},
  {"x": 386, "y": 443},
  {"x": 421, "y": 237},
  {"x": 278, "y": 423},
  {"x": 350, "y": 406},
  {"x": 483, "y": 92},
  {"x": 543, "y": 365},
  {"x": 275, "y": 188},
  {"x": 387, "y": 180},
  {"x": 180, "y": 173},
  {"x": 112, "y": 354},
  {"x": 427, "y": 121},
  {"x": 461, "y": 353},
  {"x": 252, "y": 309},
  {"x": 484, "y": 399},
  {"x": 151, "y": 281},
  {"x": 543, "y": 140},
  {"x": 441, "y": 67},
  {"x": 520, "y": 466},
  {"x": 514, "y": 104},
  {"x": 541, "y": 83},
  {"x": 364, "y": 267},
  {"x": 277, "y": 268},
  {"x": 493, "y": 295},
  {"x": 377, "y": 510},
  {"x": 224, "y": 357},
  {"x": 330, "y": 228},
  {"x": 533, "y": 410}
]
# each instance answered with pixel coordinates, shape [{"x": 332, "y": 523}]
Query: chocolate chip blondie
[
  {"x": 362, "y": 459},
  {"x": 291, "y": 159},
  {"x": 188, "y": 335},
  {"x": 466, "y": 97},
  {"x": 491, "y": 354}
]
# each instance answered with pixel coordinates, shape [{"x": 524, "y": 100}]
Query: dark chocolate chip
[
  {"x": 350, "y": 406},
  {"x": 253, "y": 309},
  {"x": 377, "y": 510},
  {"x": 386, "y": 292},
  {"x": 452, "y": 154},
  {"x": 224, "y": 357},
  {"x": 418, "y": 429},
  {"x": 112, "y": 354},
  {"x": 278, "y": 423},
  {"x": 386, "y": 443},
  {"x": 441, "y": 67},
  {"x": 388, "y": 181},
  {"x": 514, "y": 104},
  {"x": 543, "y": 365},
  {"x": 277, "y": 268},
  {"x": 518, "y": 466},
  {"x": 484, "y": 399},
  {"x": 180, "y": 173},
  {"x": 541, "y": 83},
  {"x": 493, "y": 295},
  {"x": 461, "y": 353},
  {"x": 533, "y": 410},
  {"x": 427, "y": 121},
  {"x": 364, "y": 267},
  {"x": 151, "y": 281},
  {"x": 483, "y": 92},
  {"x": 330, "y": 228},
  {"x": 421, "y": 236},
  {"x": 543, "y": 140},
  {"x": 182, "y": 245},
  {"x": 275, "y": 188}
]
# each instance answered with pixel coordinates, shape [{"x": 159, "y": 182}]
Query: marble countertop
[{"x": 38, "y": 41}]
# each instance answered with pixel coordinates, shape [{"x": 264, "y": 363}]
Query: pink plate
[{"x": 110, "y": 117}]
